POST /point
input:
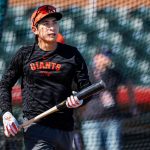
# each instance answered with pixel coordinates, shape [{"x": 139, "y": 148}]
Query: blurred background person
[{"x": 101, "y": 118}]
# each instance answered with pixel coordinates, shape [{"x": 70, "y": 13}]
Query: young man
[{"x": 47, "y": 69}]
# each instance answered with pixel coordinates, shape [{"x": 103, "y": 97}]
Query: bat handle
[
  {"x": 27, "y": 123},
  {"x": 61, "y": 105},
  {"x": 38, "y": 117},
  {"x": 85, "y": 93}
]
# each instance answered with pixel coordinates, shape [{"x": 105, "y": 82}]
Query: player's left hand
[
  {"x": 11, "y": 126},
  {"x": 73, "y": 101}
]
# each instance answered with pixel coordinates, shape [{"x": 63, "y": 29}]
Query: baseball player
[{"x": 47, "y": 69}]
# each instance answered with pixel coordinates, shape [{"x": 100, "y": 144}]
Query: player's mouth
[{"x": 52, "y": 34}]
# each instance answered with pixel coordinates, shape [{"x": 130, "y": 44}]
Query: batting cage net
[{"x": 122, "y": 27}]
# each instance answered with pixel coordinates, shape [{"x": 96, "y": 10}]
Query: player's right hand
[
  {"x": 11, "y": 126},
  {"x": 73, "y": 101}
]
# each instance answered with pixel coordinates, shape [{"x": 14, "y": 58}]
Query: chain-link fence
[{"x": 122, "y": 26}]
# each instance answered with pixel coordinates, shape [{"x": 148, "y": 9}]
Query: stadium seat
[
  {"x": 103, "y": 35},
  {"x": 91, "y": 51},
  {"x": 22, "y": 22},
  {"x": 137, "y": 35},
  {"x": 8, "y": 36},
  {"x": 145, "y": 79},
  {"x": 115, "y": 38},
  {"x": 29, "y": 36},
  {"x": 73, "y": 10},
  {"x": 146, "y": 25},
  {"x": 108, "y": 12},
  {"x": 16, "y": 17},
  {"x": 80, "y": 37},
  {"x": 29, "y": 11},
  {"x": 2, "y": 65},
  {"x": 130, "y": 63},
  {"x": 122, "y": 12},
  {"x": 3, "y": 8},
  {"x": 129, "y": 53},
  {"x": 127, "y": 37},
  {"x": 146, "y": 37},
  {"x": 21, "y": 36},
  {"x": 142, "y": 12},
  {"x": 67, "y": 23},
  {"x": 83, "y": 49},
  {"x": 136, "y": 24},
  {"x": 147, "y": 50},
  {"x": 123, "y": 24},
  {"x": 140, "y": 40},
  {"x": 144, "y": 66},
  {"x": 101, "y": 24},
  {"x": 117, "y": 49},
  {"x": 16, "y": 11},
  {"x": 88, "y": 53},
  {"x": 10, "y": 49}
]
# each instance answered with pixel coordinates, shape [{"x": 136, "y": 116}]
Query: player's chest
[{"x": 44, "y": 65}]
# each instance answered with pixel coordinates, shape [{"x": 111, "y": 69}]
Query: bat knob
[{"x": 102, "y": 83}]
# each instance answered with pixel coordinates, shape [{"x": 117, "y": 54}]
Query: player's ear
[{"x": 35, "y": 30}]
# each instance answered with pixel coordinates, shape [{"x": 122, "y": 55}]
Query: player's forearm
[
  {"x": 5, "y": 99},
  {"x": 8, "y": 80},
  {"x": 5, "y": 105}
]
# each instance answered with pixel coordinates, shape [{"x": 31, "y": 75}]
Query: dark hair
[
  {"x": 107, "y": 52},
  {"x": 36, "y": 39}
]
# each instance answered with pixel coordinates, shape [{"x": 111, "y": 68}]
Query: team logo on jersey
[{"x": 45, "y": 66}]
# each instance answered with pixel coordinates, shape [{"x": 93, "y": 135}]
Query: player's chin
[{"x": 50, "y": 40}]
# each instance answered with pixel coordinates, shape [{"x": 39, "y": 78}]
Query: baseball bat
[{"x": 80, "y": 95}]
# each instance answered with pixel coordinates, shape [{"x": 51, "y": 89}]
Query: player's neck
[{"x": 47, "y": 46}]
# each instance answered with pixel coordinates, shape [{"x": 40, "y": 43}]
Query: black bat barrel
[
  {"x": 91, "y": 90},
  {"x": 85, "y": 93}
]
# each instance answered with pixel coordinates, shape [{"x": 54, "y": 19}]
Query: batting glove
[
  {"x": 11, "y": 126},
  {"x": 73, "y": 101}
]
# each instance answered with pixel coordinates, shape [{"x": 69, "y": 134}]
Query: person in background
[
  {"x": 47, "y": 69},
  {"x": 100, "y": 117}
]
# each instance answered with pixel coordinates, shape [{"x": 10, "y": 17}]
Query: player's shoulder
[
  {"x": 113, "y": 71},
  {"x": 69, "y": 48},
  {"x": 66, "y": 46},
  {"x": 26, "y": 48}
]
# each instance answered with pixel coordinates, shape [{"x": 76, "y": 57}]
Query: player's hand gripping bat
[{"x": 80, "y": 95}]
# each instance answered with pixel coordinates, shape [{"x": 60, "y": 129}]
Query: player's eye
[{"x": 55, "y": 22}]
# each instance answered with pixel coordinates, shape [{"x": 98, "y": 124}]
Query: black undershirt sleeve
[
  {"x": 82, "y": 77},
  {"x": 9, "y": 78}
]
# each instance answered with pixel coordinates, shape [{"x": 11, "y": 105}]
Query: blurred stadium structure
[{"x": 123, "y": 26}]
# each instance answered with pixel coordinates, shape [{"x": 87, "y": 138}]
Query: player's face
[
  {"x": 47, "y": 29},
  {"x": 101, "y": 62}
]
